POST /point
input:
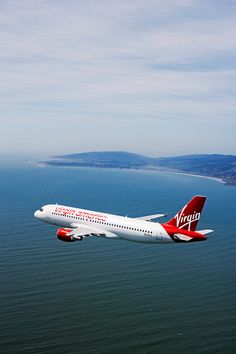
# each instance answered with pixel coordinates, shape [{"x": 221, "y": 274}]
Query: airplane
[{"x": 77, "y": 224}]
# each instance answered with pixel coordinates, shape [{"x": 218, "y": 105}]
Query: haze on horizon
[{"x": 151, "y": 77}]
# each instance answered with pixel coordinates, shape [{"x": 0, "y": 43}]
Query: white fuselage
[{"x": 117, "y": 227}]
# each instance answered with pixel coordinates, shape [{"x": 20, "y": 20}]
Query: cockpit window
[{"x": 41, "y": 209}]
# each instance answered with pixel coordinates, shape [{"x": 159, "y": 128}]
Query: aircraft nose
[{"x": 36, "y": 214}]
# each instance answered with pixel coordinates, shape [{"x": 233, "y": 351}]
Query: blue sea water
[{"x": 113, "y": 296}]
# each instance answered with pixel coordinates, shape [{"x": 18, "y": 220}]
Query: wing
[
  {"x": 151, "y": 217},
  {"x": 86, "y": 231}
]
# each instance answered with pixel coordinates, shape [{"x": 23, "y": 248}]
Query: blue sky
[{"x": 153, "y": 77}]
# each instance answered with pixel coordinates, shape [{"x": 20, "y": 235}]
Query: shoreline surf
[{"x": 220, "y": 180}]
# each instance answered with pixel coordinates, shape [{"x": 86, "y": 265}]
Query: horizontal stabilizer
[
  {"x": 205, "y": 232},
  {"x": 182, "y": 237}
]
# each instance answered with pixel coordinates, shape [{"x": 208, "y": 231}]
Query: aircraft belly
[{"x": 140, "y": 238}]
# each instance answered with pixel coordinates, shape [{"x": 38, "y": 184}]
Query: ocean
[{"x": 113, "y": 296}]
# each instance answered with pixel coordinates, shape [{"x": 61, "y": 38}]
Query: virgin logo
[{"x": 184, "y": 220}]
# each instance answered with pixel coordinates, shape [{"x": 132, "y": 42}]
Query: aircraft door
[{"x": 159, "y": 234}]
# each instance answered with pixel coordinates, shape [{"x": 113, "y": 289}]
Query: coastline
[{"x": 220, "y": 180}]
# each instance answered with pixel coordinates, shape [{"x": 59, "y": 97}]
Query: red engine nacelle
[{"x": 62, "y": 234}]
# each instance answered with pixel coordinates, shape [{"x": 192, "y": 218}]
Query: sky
[{"x": 155, "y": 77}]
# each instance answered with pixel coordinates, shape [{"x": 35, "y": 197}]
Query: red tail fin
[{"x": 187, "y": 218}]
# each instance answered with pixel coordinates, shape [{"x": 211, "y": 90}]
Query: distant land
[{"x": 221, "y": 167}]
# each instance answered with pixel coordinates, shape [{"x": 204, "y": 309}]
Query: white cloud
[{"x": 159, "y": 61}]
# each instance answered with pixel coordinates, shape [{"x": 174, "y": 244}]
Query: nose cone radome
[{"x": 36, "y": 214}]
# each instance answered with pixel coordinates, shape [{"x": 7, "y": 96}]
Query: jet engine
[{"x": 62, "y": 234}]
